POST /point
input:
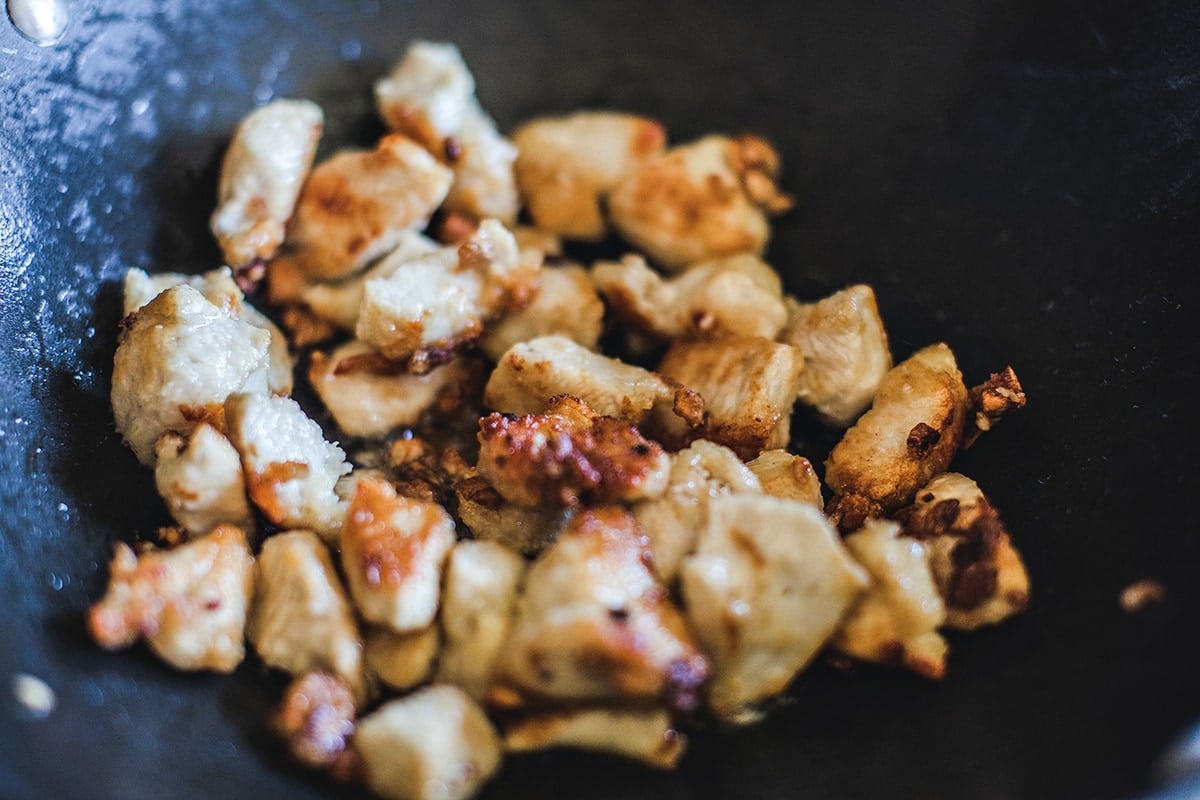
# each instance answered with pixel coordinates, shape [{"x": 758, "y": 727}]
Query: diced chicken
[
  {"x": 484, "y": 184},
  {"x": 896, "y": 621},
  {"x": 913, "y": 429},
  {"x": 401, "y": 660},
  {"x": 317, "y": 720},
  {"x": 291, "y": 470},
  {"x": 709, "y": 198},
  {"x": 428, "y": 95},
  {"x": 421, "y": 471},
  {"x": 490, "y": 517},
  {"x": 788, "y": 476},
  {"x": 594, "y": 624},
  {"x": 988, "y": 402},
  {"x": 200, "y": 479},
  {"x": 530, "y": 237},
  {"x": 845, "y": 349},
  {"x": 434, "y": 744},
  {"x": 565, "y": 305},
  {"x": 766, "y": 588},
  {"x": 738, "y": 294},
  {"x": 978, "y": 571},
  {"x": 301, "y": 619},
  {"x": 645, "y": 735},
  {"x": 568, "y": 456},
  {"x": 178, "y": 359},
  {"x": 566, "y": 166},
  {"x": 261, "y": 175},
  {"x": 188, "y": 603}
]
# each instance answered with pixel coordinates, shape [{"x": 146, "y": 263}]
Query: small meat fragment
[
  {"x": 434, "y": 744},
  {"x": 478, "y": 600},
  {"x": 913, "y": 429},
  {"x": 845, "y": 350},
  {"x": 594, "y": 624},
  {"x": 261, "y": 176},
  {"x": 316, "y": 718},
  {"x": 790, "y": 477},
  {"x": 492, "y": 518},
  {"x": 565, "y": 305},
  {"x": 178, "y": 359},
  {"x": 1140, "y": 594},
  {"x": 701, "y": 200},
  {"x": 393, "y": 549},
  {"x": 201, "y": 481},
  {"x": 401, "y": 660},
  {"x": 766, "y": 588},
  {"x": 991, "y": 400},
  {"x": 645, "y": 735},
  {"x": 568, "y": 456},
  {"x": 291, "y": 471},
  {"x": 566, "y": 166},
  {"x": 188, "y": 603},
  {"x": 896, "y": 621},
  {"x": 301, "y": 619},
  {"x": 978, "y": 571},
  {"x": 738, "y": 294}
]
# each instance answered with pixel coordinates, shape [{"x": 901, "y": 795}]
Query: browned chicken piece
[
  {"x": 595, "y": 625},
  {"x": 422, "y": 471},
  {"x": 357, "y": 205},
  {"x": 565, "y": 305},
  {"x": 492, "y": 518},
  {"x": 913, "y": 429},
  {"x": 567, "y": 165},
  {"x": 709, "y": 198},
  {"x": 434, "y": 744},
  {"x": 393, "y": 549},
  {"x": 990, "y": 401},
  {"x": 484, "y": 183},
  {"x": 738, "y": 294},
  {"x": 645, "y": 735},
  {"x": 845, "y": 350},
  {"x": 788, "y": 476},
  {"x": 317, "y": 720},
  {"x": 896, "y": 621},
  {"x": 767, "y": 587},
  {"x": 401, "y": 661},
  {"x": 200, "y": 479},
  {"x": 569, "y": 456},
  {"x": 189, "y": 603},
  {"x": 748, "y": 385},
  {"x": 978, "y": 571}
]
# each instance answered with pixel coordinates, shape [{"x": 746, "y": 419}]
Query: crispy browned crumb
[
  {"x": 1140, "y": 594},
  {"x": 316, "y": 719},
  {"x": 991, "y": 400}
]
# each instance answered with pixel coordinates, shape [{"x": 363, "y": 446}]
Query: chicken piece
[
  {"x": 595, "y": 625},
  {"x": 261, "y": 176},
  {"x": 531, "y": 237},
  {"x": 200, "y": 479},
  {"x": 434, "y": 744},
  {"x": 766, "y": 588},
  {"x": 565, "y": 305},
  {"x": 317, "y": 720},
  {"x": 484, "y": 184},
  {"x": 708, "y": 198},
  {"x": 420, "y": 470},
  {"x": 645, "y": 735},
  {"x": 428, "y": 95},
  {"x": 290, "y": 469},
  {"x": 748, "y": 385},
  {"x": 567, "y": 165},
  {"x": 358, "y": 204},
  {"x": 845, "y": 351},
  {"x": 913, "y": 429},
  {"x": 492, "y": 518},
  {"x": 978, "y": 571},
  {"x": 738, "y": 294},
  {"x": 401, "y": 660},
  {"x": 301, "y": 619},
  {"x": 188, "y": 603},
  {"x": 896, "y": 621},
  {"x": 393, "y": 549},
  {"x": 179, "y": 357},
  {"x": 569, "y": 456},
  {"x": 790, "y": 477},
  {"x": 991, "y": 400}
]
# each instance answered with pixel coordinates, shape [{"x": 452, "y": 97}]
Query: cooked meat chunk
[
  {"x": 434, "y": 744},
  {"x": 709, "y": 198},
  {"x": 646, "y": 735},
  {"x": 978, "y": 571},
  {"x": 188, "y": 603},
  {"x": 594, "y": 624},
  {"x": 738, "y": 294},
  {"x": 565, "y": 305},
  {"x": 484, "y": 184},
  {"x": 179, "y": 358},
  {"x": 766, "y": 588},
  {"x": 478, "y": 598},
  {"x": 568, "y": 456},
  {"x": 492, "y": 518},
  {"x": 913, "y": 429},
  {"x": 566, "y": 166},
  {"x": 790, "y": 477},
  {"x": 264, "y": 168},
  {"x": 393, "y": 548},
  {"x": 301, "y": 619},
  {"x": 200, "y": 479},
  {"x": 290, "y": 469},
  {"x": 401, "y": 660},
  {"x": 991, "y": 400},
  {"x": 317, "y": 720},
  {"x": 845, "y": 350},
  {"x": 896, "y": 621}
]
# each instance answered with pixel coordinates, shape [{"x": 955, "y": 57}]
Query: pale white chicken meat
[
  {"x": 788, "y": 476},
  {"x": 200, "y": 479},
  {"x": 401, "y": 661},
  {"x": 566, "y": 304}
]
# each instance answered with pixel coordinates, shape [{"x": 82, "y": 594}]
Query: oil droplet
[{"x": 39, "y": 21}]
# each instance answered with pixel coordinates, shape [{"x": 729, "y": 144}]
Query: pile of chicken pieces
[{"x": 619, "y": 548}]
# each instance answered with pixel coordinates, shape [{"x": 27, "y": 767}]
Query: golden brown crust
[
  {"x": 988, "y": 402},
  {"x": 316, "y": 719},
  {"x": 387, "y": 555}
]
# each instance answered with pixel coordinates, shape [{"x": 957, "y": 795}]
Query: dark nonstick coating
[{"x": 1019, "y": 179}]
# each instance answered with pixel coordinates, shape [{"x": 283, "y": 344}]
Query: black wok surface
[{"x": 1017, "y": 178}]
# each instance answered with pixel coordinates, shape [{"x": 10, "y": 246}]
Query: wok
[{"x": 1019, "y": 179}]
